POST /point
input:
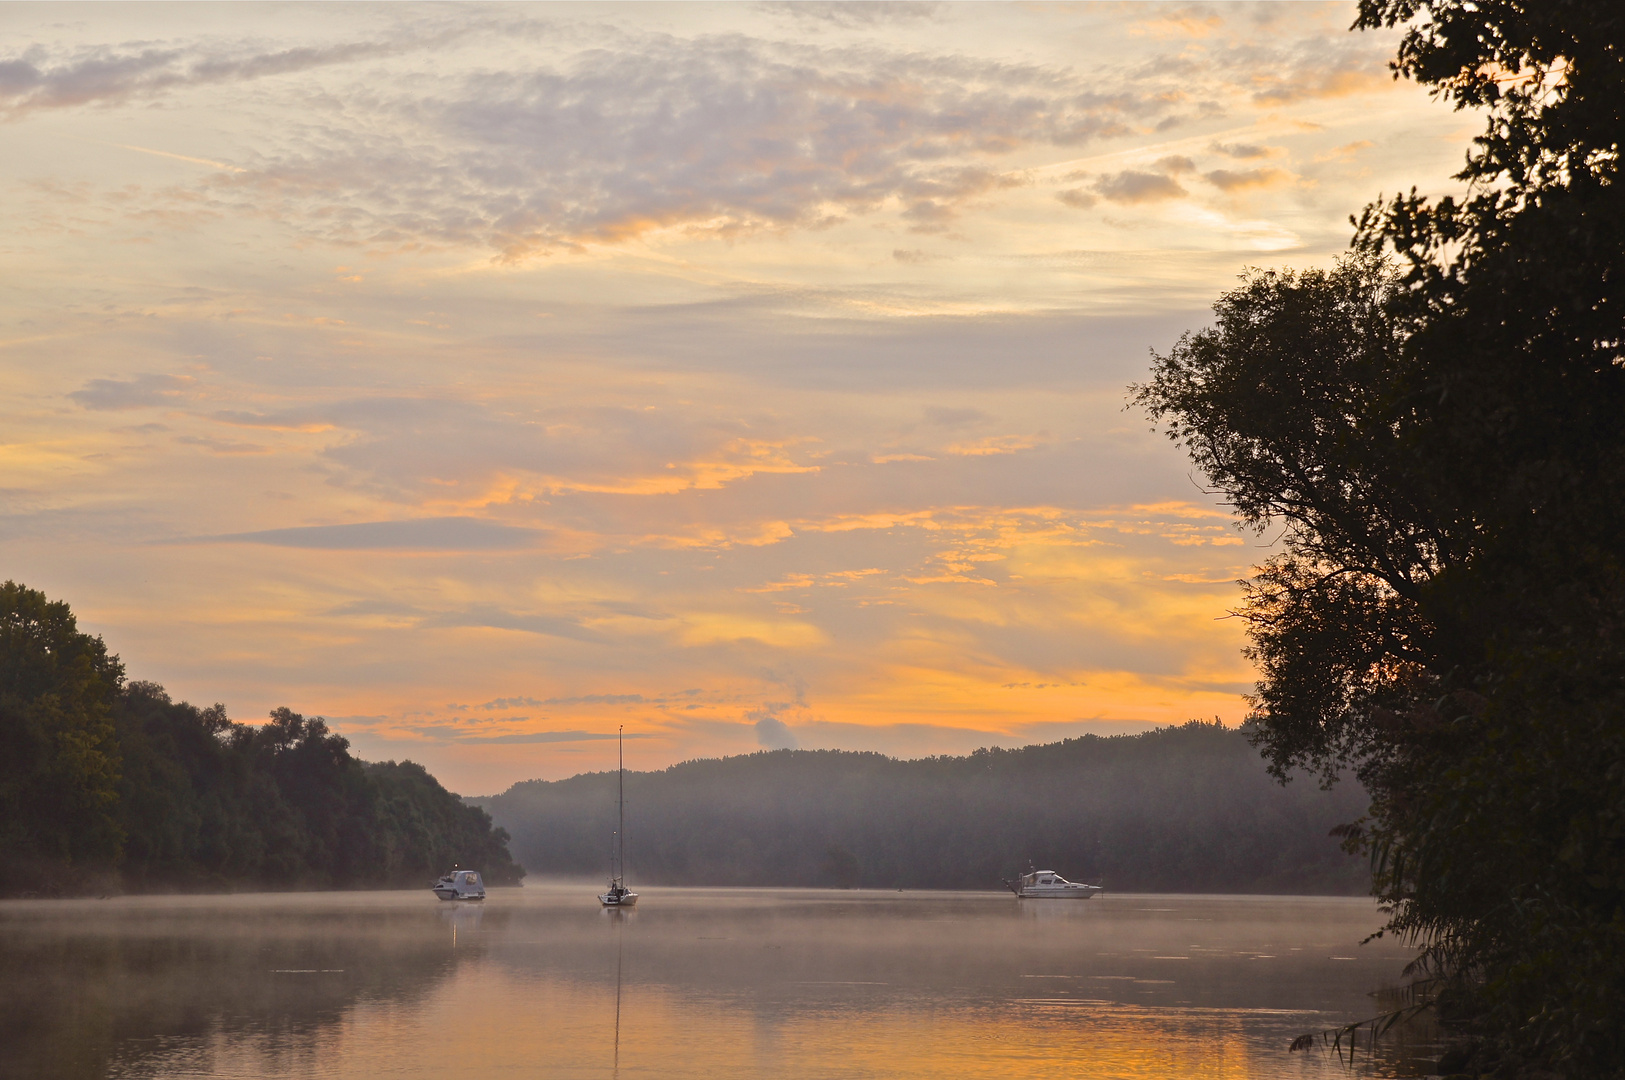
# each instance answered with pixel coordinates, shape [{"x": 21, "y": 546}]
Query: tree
[
  {"x": 423, "y": 829},
  {"x": 98, "y": 776},
  {"x": 1438, "y": 424},
  {"x": 59, "y": 785}
]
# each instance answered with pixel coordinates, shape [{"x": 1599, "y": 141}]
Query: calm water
[{"x": 538, "y": 982}]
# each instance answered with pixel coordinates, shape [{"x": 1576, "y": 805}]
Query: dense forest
[
  {"x": 1180, "y": 809},
  {"x": 108, "y": 784}
]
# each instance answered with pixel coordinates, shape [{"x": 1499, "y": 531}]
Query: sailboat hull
[{"x": 624, "y": 900}]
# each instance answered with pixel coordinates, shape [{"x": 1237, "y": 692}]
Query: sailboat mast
[{"x": 620, "y": 802}]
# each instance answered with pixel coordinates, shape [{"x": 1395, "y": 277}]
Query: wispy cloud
[
  {"x": 1318, "y": 69},
  {"x": 721, "y": 136},
  {"x": 38, "y": 79},
  {"x": 421, "y": 534},
  {"x": 462, "y": 734},
  {"x": 1347, "y": 151},
  {"x": 472, "y": 453},
  {"x": 1136, "y": 186},
  {"x": 492, "y": 617},
  {"x": 1245, "y": 151},
  {"x": 612, "y": 137},
  {"x": 855, "y": 13},
  {"x": 532, "y": 737},
  {"x": 1242, "y": 179},
  {"x": 139, "y": 392}
]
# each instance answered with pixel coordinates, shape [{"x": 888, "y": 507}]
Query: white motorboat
[
  {"x": 1048, "y": 885},
  {"x": 619, "y": 895},
  {"x": 460, "y": 885}
]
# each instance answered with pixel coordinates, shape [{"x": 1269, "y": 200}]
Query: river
[{"x": 715, "y": 983}]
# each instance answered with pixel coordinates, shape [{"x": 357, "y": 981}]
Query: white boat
[
  {"x": 1048, "y": 885},
  {"x": 619, "y": 895},
  {"x": 460, "y": 885}
]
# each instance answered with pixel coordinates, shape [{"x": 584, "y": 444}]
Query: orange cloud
[
  {"x": 1347, "y": 151},
  {"x": 1311, "y": 82},
  {"x": 1243, "y": 179},
  {"x": 1178, "y": 22},
  {"x": 992, "y": 444}
]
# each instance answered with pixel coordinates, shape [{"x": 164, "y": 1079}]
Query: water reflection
[
  {"x": 618, "y": 916},
  {"x": 713, "y": 983}
]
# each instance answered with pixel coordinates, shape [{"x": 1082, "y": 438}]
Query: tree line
[
  {"x": 1438, "y": 423},
  {"x": 1186, "y": 808},
  {"x": 107, "y": 783}
]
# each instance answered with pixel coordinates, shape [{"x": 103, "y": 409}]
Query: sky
[{"x": 489, "y": 379}]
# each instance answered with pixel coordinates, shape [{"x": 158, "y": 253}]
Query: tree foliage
[
  {"x": 1437, "y": 427},
  {"x": 210, "y": 804},
  {"x": 58, "y": 690},
  {"x": 97, "y": 775},
  {"x": 1183, "y": 809}
]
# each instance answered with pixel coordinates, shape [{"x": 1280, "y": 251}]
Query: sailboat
[{"x": 619, "y": 895}]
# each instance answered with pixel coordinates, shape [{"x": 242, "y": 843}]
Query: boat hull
[
  {"x": 609, "y": 900},
  {"x": 1048, "y": 885},
  {"x": 1053, "y": 892}
]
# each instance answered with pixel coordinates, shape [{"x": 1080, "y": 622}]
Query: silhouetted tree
[{"x": 1443, "y": 440}]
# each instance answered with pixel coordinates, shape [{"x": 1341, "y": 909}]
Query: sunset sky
[{"x": 485, "y": 378}]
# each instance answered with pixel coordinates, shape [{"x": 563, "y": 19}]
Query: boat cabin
[{"x": 460, "y": 885}]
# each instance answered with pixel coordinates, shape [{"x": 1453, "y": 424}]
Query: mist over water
[{"x": 693, "y": 983}]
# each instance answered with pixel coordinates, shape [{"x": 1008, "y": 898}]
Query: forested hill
[
  {"x": 106, "y": 784},
  {"x": 1182, "y": 809}
]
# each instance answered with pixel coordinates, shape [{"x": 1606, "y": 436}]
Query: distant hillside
[{"x": 1180, "y": 809}]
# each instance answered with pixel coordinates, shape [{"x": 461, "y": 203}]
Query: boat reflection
[{"x": 620, "y": 942}]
